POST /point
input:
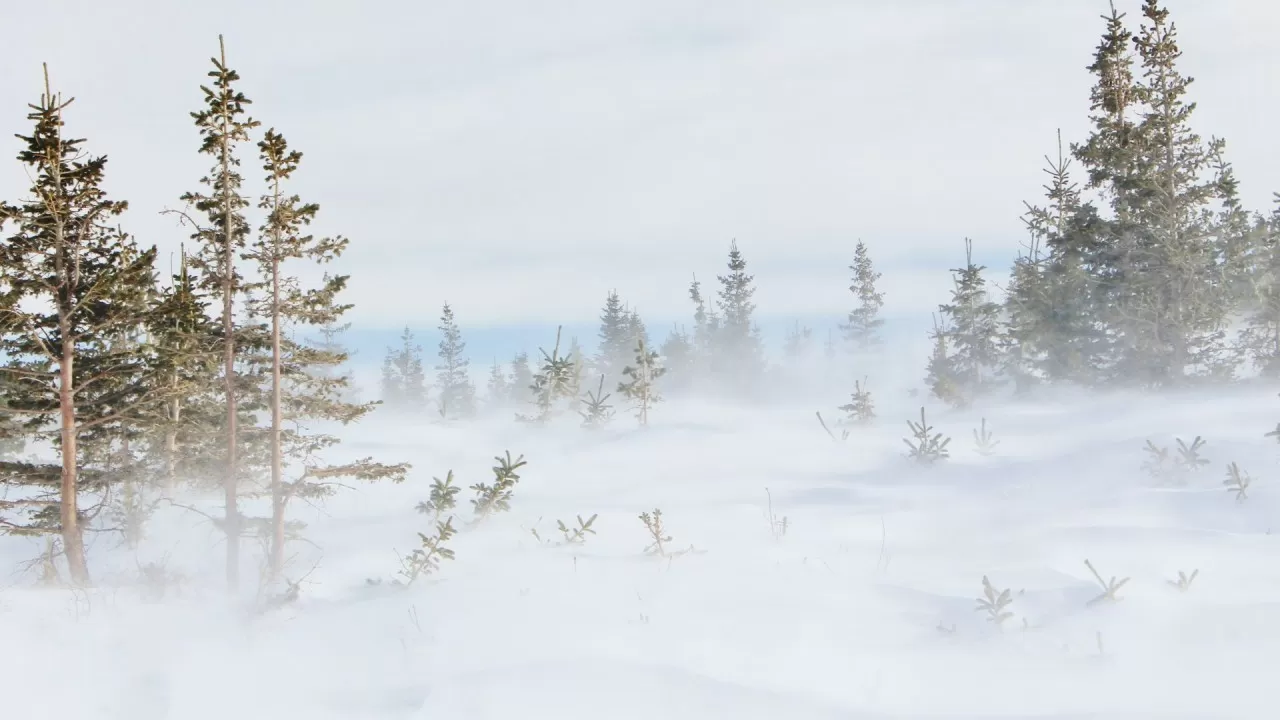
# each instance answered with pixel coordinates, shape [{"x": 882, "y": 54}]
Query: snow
[{"x": 864, "y": 609}]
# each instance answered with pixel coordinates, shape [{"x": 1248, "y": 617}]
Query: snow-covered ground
[{"x": 864, "y": 609}]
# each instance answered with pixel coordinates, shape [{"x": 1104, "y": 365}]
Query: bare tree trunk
[
  {"x": 69, "y": 507},
  {"x": 229, "y": 354},
  {"x": 276, "y": 564}
]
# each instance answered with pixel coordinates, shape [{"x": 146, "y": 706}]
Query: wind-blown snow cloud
[{"x": 521, "y": 159}]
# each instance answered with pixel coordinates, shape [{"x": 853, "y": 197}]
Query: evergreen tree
[
  {"x": 497, "y": 392},
  {"x": 862, "y": 330},
  {"x": 1260, "y": 339},
  {"x": 738, "y": 348},
  {"x": 615, "y": 336},
  {"x": 457, "y": 393},
  {"x": 75, "y": 291},
  {"x": 404, "y": 382},
  {"x": 941, "y": 377},
  {"x": 224, "y": 125},
  {"x": 706, "y": 323},
  {"x": 330, "y": 340},
  {"x": 552, "y": 384},
  {"x": 641, "y": 376},
  {"x": 972, "y": 340},
  {"x": 521, "y": 383},
  {"x": 678, "y": 352},
  {"x": 798, "y": 342}
]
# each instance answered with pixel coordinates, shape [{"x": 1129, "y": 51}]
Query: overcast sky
[{"x": 521, "y": 158}]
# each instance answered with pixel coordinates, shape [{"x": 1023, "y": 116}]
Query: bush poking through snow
[
  {"x": 1237, "y": 482},
  {"x": 1183, "y": 583},
  {"x": 496, "y": 498},
  {"x": 984, "y": 440},
  {"x": 425, "y": 560},
  {"x": 1161, "y": 465},
  {"x": 928, "y": 447},
  {"x": 578, "y": 535},
  {"x": 995, "y": 603},
  {"x": 1109, "y": 587},
  {"x": 860, "y": 410},
  {"x": 444, "y": 497},
  {"x": 596, "y": 412},
  {"x": 653, "y": 523}
]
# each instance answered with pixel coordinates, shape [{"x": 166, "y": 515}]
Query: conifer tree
[
  {"x": 224, "y": 125},
  {"x": 404, "y": 382},
  {"x": 74, "y": 289},
  {"x": 941, "y": 377},
  {"x": 1260, "y": 339},
  {"x": 738, "y": 348},
  {"x": 615, "y": 336},
  {"x": 641, "y": 376},
  {"x": 706, "y": 323},
  {"x": 678, "y": 352},
  {"x": 453, "y": 377},
  {"x": 330, "y": 340},
  {"x": 186, "y": 340},
  {"x": 552, "y": 384},
  {"x": 304, "y": 385},
  {"x": 497, "y": 392},
  {"x": 521, "y": 381},
  {"x": 972, "y": 340},
  {"x": 862, "y": 328},
  {"x": 798, "y": 342}
]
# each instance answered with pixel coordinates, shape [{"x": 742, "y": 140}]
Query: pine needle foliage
[
  {"x": 861, "y": 409},
  {"x": 444, "y": 497},
  {"x": 926, "y": 446},
  {"x": 995, "y": 603},
  {"x": 1237, "y": 482},
  {"x": 496, "y": 498},
  {"x": 596, "y": 411},
  {"x": 984, "y": 440},
  {"x": 425, "y": 560}
]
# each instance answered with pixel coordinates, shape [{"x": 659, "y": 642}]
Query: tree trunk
[
  {"x": 276, "y": 564},
  {"x": 69, "y": 507},
  {"x": 229, "y": 350}
]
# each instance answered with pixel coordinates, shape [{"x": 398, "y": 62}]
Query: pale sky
[{"x": 519, "y": 159}]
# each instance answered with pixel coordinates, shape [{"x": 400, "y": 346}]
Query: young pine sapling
[
  {"x": 496, "y": 498},
  {"x": 444, "y": 497},
  {"x": 928, "y": 446},
  {"x": 995, "y": 603},
  {"x": 596, "y": 412},
  {"x": 984, "y": 440},
  {"x": 1237, "y": 482}
]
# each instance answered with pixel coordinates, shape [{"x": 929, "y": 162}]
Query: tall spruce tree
[
  {"x": 453, "y": 376},
  {"x": 521, "y": 380},
  {"x": 74, "y": 290},
  {"x": 706, "y": 323},
  {"x": 615, "y": 337},
  {"x": 304, "y": 386},
  {"x": 404, "y": 381},
  {"x": 497, "y": 391},
  {"x": 862, "y": 328},
  {"x": 739, "y": 350},
  {"x": 224, "y": 124},
  {"x": 972, "y": 340}
]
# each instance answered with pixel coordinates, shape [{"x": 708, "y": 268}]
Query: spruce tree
[
  {"x": 304, "y": 384},
  {"x": 521, "y": 380},
  {"x": 224, "y": 124},
  {"x": 738, "y": 349},
  {"x": 552, "y": 384},
  {"x": 497, "y": 392},
  {"x": 972, "y": 340},
  {"x": 615, "y": 336},
  {"x": 1260, "y": 339},
  {"x": 862, "y": 328},
  {"x": 640, "y": 384},
  {"x": 404, "y": 382},
  {"x": 798, "y": 342},
  {"x": 75, "y": 289},
  {"x": 457, "y": 393},
  {"x": 706, "y": 323},
  {"x": 678, "y": 351}
]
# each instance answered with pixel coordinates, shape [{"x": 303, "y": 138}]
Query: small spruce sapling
[
  {"x": 860, "y": 410},
  {"x": 425, "y": 560},
  {"x": 984, "y": 440},
  {"x": 444, "y": 497},
  {"x": 1237, "y": 482},
  {"x": 496, "y": 498},
  {"x": 639, "y": 386},
  {"x": 660, "y": 538},
  {"x": 928, "y": 446},
  {"x": 1183, "y": 583},
  {"x": 1109, "y": 587},
  {"x": 596, "y": 412},
  {"x": 1161, "y": 465},
  {"x": 995, "y": 603},
  {"x": 578, "y": 535}
]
